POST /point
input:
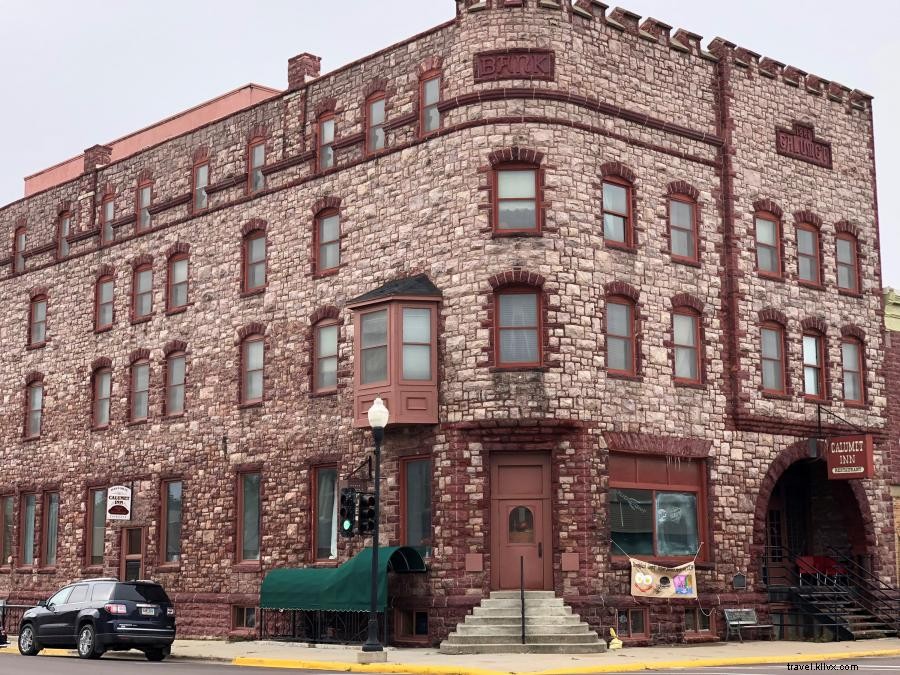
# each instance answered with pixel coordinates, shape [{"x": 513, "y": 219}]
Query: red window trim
[
  {"x": 26, "y": 432},
  {"x": 89, "y": 526},
  {"x": 170, "y": 264},
  {"x": 3, "y": 532},
  {"x": 146, "y": 267},
  {"x": 167, "y": 383},
  {"x": 538, "y": 328},
  {"x": 695, "y": 229},
  {"x": 239, "y": 516},
  {"x": 782, "y": 341},
  {"x": 62, "y": 243},
  {"x": 98, "y": 327},
  {"x": 696, "y": 612},
  {"x": 255, "y": 142},
  {"x": 324, "y": 323},
  {"x": 423, "y": 79},
  {"x": 163, "y": 519},
  {"x": 404, "y": 462},
  {"x": 318, "y": 270},
  {"x": 45, "y": 527},
  {"x": 248, "y": 239},
  {"x": 816, "y": 256},
  {"x": 138, "y": 209},
  {"x": 31, "y": 322},
  {"x": 496, "y": 170},
  {"x": 314, "y": 507},
  {"x": 107, "y": 232},
  {"x": 697, "y": 319},
  {"x": 854, "y": 248},
  {"x": 132, "y": 391},
  {"x": 195, "y": 169},
  {"x": 369, "y": 127},
  {"x": 95, "y": 376},
  {"x": 630, "y": 242},
  {"x": 35, "y": 547},
  {"x": 244, "y": 401},
  {"x": 628, "y": 611},
  {"x": 18, "y": 250},
  {"x": 861, "y": 365},
  {"x": 632, "y": 308},
  {"x": 779, "y": 245},
  {"x": 822, "y": 394},
  {"x": 319, "y": 145}
]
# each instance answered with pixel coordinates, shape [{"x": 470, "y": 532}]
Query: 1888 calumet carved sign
[
  {"x": 514, "y": 64},
  {"x": 801, "y": 143}
]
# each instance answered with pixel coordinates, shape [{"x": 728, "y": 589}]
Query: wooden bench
[{"x": 745, "y": 619}]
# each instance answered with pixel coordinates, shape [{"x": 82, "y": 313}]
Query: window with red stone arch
[
  {"x": 254, "y": 257},
  {"x": 518, "y": 327},
  {"x": 847, "y": 259},
  {"x": 139, "y": 387},
  {"x": 773, "y": 359},
  {"x": 769, "y": 239},
  {"x": 101, "y": 394},
  {"x": 144, "y": 200},
  {"x": 249, "y": 488},
  {"x": 375, "y": 113},
  {"x": 621, "y": 336},
  {"x": 324, "y": 521},
  {"x": 687, "y": 345},
  {"x": 256, "y": 161},
  {"x": 251, "y": 385},
  {"x": 177, "y": 279},
  {"x": 107, "y": 216},
  {"x": 815, "y": 370},
  {"x": 104, "y": 302},
  {"x": 809, "y": 251},
  {"x": 516, "y": 188},
  {"x": 326, "y": 338},
  {"x": 430, "y": 95},
  {"x": 200, "y": 177},
  {"x": 326, "y": 126},
  {"x": 142, "y": 290},
  {"x": 175, "y": 378},
  {"x": 683, "y": 223},
  {"x": 37, "y": 319},
  {"x": 63, "y": 230},
  {"x": 327, "y": 241},
  {"x": 853, "y": 367},
  {"x": 20, "y": 238},
  {"x": 34, "y": 406}
]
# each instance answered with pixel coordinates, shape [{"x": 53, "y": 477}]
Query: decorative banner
[
  {"x": 654, "y": 581},
  {"x": 118, "y": 503},
  {"x": 849, "y": 457}
]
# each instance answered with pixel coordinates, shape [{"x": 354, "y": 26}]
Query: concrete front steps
[{"x": 495, "y": 627}]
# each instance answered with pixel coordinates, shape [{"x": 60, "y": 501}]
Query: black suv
[{"x": 99, "y": 615}]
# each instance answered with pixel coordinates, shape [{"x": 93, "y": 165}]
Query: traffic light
[
  {"x": 348, "y": 512},
  {"x": 367, "y": 514}
]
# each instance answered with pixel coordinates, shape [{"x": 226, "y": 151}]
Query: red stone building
[{"x": 603, "y": 277}]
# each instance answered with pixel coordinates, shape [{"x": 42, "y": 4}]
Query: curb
[{"x": 424, "y": 669}]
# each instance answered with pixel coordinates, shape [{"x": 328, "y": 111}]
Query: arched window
[
  {"x": 429, "y": 99},
  {"x": 808, "y": 251},
  {"x": 768, "y": 244},
  {"x": 101, "y": 387},
  {"x": 254, "y": 255},
  {"x": 177, "y": 284},
  {"x": 325, "y": 141},
  {"x": 37, "y": 321},
  {"x": 142, "y": 292},
  {"x": 34, "y": 407},
  {"x": 175, "y": 379},
  {"x": 853, "y": 367},
  {"x": 518, "y": 327},
  {"x": 327, "y": 241},
  {"x": 18, "y": 252},
  {"x": 774, "y": 363},
  {"x": 256, "y": 160},
  {"x": 107, "y": 216},
  {"x": 814, "y": 373},
  {"x": 686, "y": 341},
  {"x": 104, "y": 309},
  {"x": 199, "y": 182},
  {"x": 63, "y": 230},
  {"x": 620, "y": 336},
  {"x": 325, "y": 356},
  {"x": 144, "y": 200},
  {"x": 139, "y": 391},
  {"x": 375, "y": 115},
  {"x": 847, "y": 254},
  {"x": 684, "y": 240},
  {"x": 252, "y": 369}
]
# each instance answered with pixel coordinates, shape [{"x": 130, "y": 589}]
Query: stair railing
[
  {"x": 522, "y": 592},
  {"x": 879, "y": 598}
]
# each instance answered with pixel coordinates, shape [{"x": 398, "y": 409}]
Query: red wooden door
[{"x": 520, "y": 521}]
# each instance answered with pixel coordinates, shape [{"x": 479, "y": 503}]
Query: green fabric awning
[{"x": 340, "y": 589}]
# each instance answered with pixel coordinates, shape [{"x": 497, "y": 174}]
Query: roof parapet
[{"x": 95, "y": 156}]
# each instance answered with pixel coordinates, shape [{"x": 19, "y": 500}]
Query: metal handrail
[{"x": 877, "y": 596}]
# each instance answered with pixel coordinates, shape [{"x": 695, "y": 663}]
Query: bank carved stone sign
[
  {"x": 515, "y": 64},
  {"x": 801, "y": 143}
]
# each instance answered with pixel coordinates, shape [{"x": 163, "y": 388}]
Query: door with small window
[{"x": 132, "y": 566}]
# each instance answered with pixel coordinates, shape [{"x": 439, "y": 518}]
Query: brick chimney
[
  {"x": 95, "y": 156},
  {"x": 302, "y": 68}
]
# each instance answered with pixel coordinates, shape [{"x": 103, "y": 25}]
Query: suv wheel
[
  {"x": 155, "y": 654},
  {"x": 27, "y": 644},
  {"x": 87, "y": 643}
]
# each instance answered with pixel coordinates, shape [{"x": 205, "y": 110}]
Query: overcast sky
[{"x": 73, "y": 74}]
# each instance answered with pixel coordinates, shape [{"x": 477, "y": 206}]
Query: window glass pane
[
  {"x": 517, "y": 215},
  {"x": 329, "y": 228},
  {"x": 432, "y": 118},
  {"x": 416, "y": 362},
  {"x": 141, "y": 377},
  {"x": 145, "y": 281},
  {"x": 326, "y": 131},
  {"x": 98, "y": 525},
  {"x": 852, "y": 387},
  {"x": 637, "y": 621},
  {"x": 36, "y": 392},
  {"x": 52, "y": 520},
  {"x": 807, "y": 268},
  {"x": 327, "y": 342},
  {"x": 618, "y": 354},
  {"x": 771, "y": 343},
  {"x": 376, "y": 112},
  {"x": 106, "y": 291},
  {"x": 845, "y": 277},
  {"x": 811, "y": 350},
  {"x": 682, "y": 214},
  {"x": 806, "y": 242},
  {"x": 685, "y": 330},
  {"x": 768, "y": 259},
  {"x": 40, "y": 310},
  {"x": 631, "y": 521},
  {"x": 329, "y": 256},
  {"x": 374, "y": 328},
  {"x": 765, "y": 232},
  {"x": 520, "y": 526},
  {"x": 683, "y": 243},
  {"x": 613, "y": 227},
  {"x": 28, "y": 507},
  {"x": 773, "y": 375},
  {"x": 850, "y": 354},
  {"x": 173, "y": 521},
  {"x": 203, "y": 176},
  {"x": 518, "y": 309},
  {"x": 180, "y": 271},
  {"x": 374, "y": 365},
  {"x": 250, "y": 517},
  {"x": 259, "y": 155},
  {"x": 676, "y": 523},
  {"x": 176, "y": 370},
  {"x": 418, "y": 505},
  {"x": 686, "y": 363},
  {"x": 518, "y": 345},
  {"x": 845, "y": 251},
  {"x": 256, "y": 275},
  {"x": 618, "y": 319},
  {"x": 417, "y": 325},
  {"x": 811, "y": 381},
  {"x": 6, "y": 506},
  {"x": 326, "y": 157},
  {"x": 615, "y": 198},
  {"x": 253, "y": 386},
  {"x": 326, "y": 508},
  {"x": 257, "y": 249},
  {"x": 104, "y": 384},
  {"x": 326, "y": 373},
  {"x": 254, "y": 355},
  {"x": 432, "y": 90},
  {"x": 516, "y": 184}
]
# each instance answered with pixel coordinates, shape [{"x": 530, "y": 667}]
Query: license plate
[{"x": 148, "y": 611}]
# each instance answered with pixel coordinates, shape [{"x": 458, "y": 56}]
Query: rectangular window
[
  {"x": 851, "y": 357},
  {"x": 329, "y": 242},
  {"x": 201, "y": 182},
  {"x": 178, "y": 283},
  {"x": 102, "y": 397},
  {"x": 813, "y": 370},
  {"x": 257, "y": 161},
  {"x": 697, "y": 620},
  {"x": 682, "y": 229},
  {"x": 518, "y": 329},
  {"x": 96, "y": 526},
  {"x": 617, "y": 213},
  {"x": 772, "y": 339},
  {"x": 145, "y": 196},
  {"x": 808, "y": 254},
  {"x": 51, "y": 528},
  {"x": 326, "y": 143},
  {"x": 686, "y": 330},
  {"x": 28, "y": 549},
  {"x": 326, "y": 357},
  {"x": 768, "y": 246},
  {"x": 375, "y": 130},
  {"x": 253, "y": 360},
  {"x": 35, "y": 410},
  {"x": 38, "y": 331},
  {"x": 105, "y": 305},
  {"x": 175, "y": 371},
  {"x": 62, "y": 241},
  {"x": 6, "y": 529},
  {"x": 411, "y": 625},
  {"x": 847, "y": 270},
  {"x": 620, "y": 337},
  {"x": 326, "y": 513},
  {"x": 255, "y": 262},
  {"x": 431, "y": 96},
  {"x": 655, "y": 505},
  {"x": 416, "y": 504},
  {"x": 171, "y": 536},
  {"x": 374, "y": 350},
  {"x": 143, "y": 293},
  {"x": 249, "y": 527},
  {"x": 107, "y": 215},
  {"x": 244, "y": 617},
  {"x": 416, "y": 343},
  {"x": 516, "y": 206},
  {"x": 140, "y": 391}
]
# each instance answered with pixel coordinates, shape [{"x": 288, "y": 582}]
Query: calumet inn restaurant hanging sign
[{"x": 849, "y": 457}]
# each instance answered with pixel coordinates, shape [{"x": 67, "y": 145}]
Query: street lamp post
[{"x": 378, "y": 419}]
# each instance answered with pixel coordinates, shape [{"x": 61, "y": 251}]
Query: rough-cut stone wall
[
  {"x": 622, "y": 96},
  {"x": 892, "y": 380}
]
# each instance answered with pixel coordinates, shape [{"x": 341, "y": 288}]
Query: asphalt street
[{"x": 868, "y": 666}]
